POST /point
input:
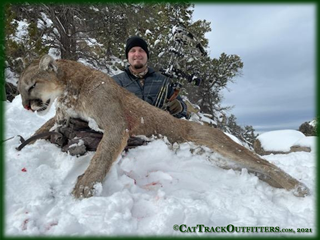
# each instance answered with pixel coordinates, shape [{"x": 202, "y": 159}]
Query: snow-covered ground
[{"x": 148, "y": 191}]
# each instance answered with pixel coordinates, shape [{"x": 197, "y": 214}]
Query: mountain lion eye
[{"x": 32, "y": 87}]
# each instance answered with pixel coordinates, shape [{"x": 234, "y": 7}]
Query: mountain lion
[{"x": 91, "y": 95}]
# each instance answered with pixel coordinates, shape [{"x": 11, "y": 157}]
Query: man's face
[{"x": 137, "y": 57}]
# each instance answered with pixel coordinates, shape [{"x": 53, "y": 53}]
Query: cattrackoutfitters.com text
[{"x": 200, "y": 228}]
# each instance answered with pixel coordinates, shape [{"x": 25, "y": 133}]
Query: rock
[
  {"x": 300, "y": 149},
  {"x": 259, "y": 149}
]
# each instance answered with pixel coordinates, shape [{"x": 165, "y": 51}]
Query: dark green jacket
[{"x": 149, "y": 91}]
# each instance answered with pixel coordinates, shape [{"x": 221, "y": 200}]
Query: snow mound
[{"x": 280, "y": 140}]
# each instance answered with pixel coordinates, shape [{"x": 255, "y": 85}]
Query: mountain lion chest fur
[{"x": 85, "y": 93}]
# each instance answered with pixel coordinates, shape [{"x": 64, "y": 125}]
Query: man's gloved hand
[{"x": 174, "y": 107}]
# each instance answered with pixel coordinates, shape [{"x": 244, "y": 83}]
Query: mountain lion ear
[{"x": 47, "y": 63}]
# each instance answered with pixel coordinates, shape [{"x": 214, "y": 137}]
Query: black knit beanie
[{"x": 136, "y": 41}]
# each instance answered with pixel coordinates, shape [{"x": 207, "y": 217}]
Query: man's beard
[{"x": 138, "y": 66}]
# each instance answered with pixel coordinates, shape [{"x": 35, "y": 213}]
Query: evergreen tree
[
  {"x": 249, "y": 136},
  {"x": 215, "y": 75},
  {"x": 96, "y": 34},
  {"x": 28, "y": 45}
]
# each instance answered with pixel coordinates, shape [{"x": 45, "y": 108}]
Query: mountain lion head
[{"x": 39, "y": 85}]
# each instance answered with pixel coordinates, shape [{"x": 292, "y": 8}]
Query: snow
[
  {"x": 93, "y": 125},
  {"x": 148, "y": 190},
  {"x": 45, "y": 20},
  {"x": 234, "y": 139},
  {"x": 21, "y": 32},
  {"x": 148, "y": 32},
  {"x": 283, "y": 140},
  {"x": 10, "y": 76},
  {"x": 93, "y": 42},
  {"x": 160, "y": 54},
  {"x": 309, "y": 141},
  {"x": 156, "y": 42},
  {"x": 313, "y": 123},
  {"x": 202, "y": 118}
]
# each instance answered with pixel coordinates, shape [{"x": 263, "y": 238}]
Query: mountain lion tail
[{"x": 237, "y": 157}]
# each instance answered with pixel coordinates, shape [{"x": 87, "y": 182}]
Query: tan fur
[{"x": 90, "y": 94}]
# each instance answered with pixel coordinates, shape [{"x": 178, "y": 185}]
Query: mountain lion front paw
[{"x": 85, "y": 187}]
